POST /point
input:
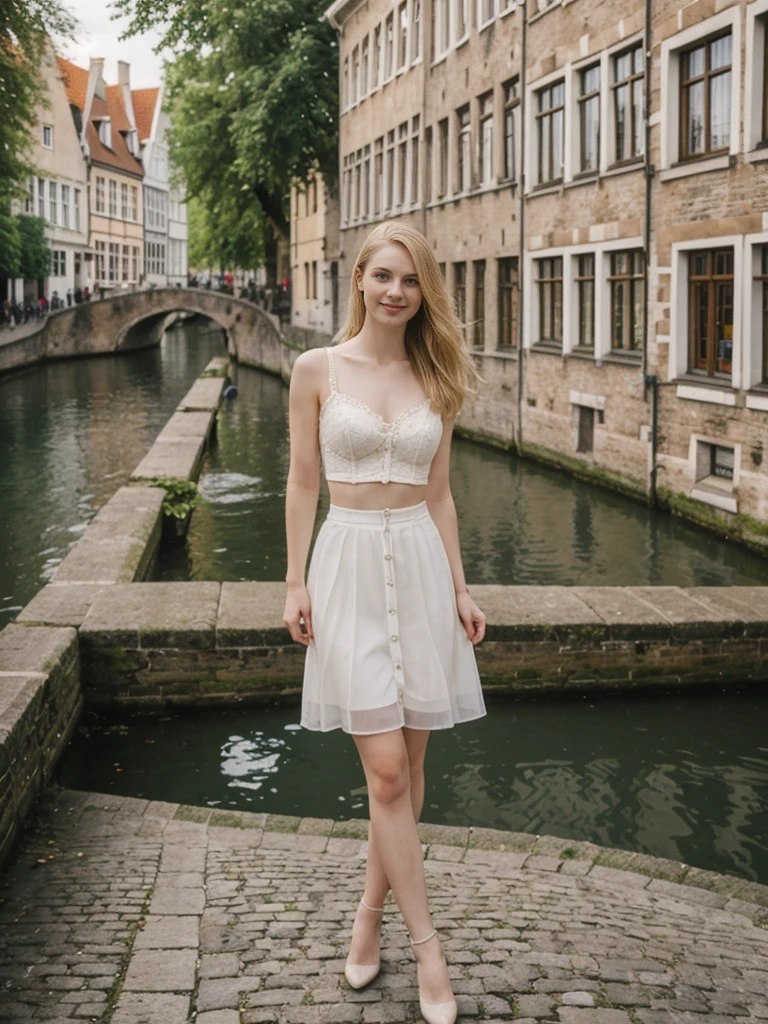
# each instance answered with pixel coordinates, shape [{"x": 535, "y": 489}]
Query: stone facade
[
  {"x": 631, "y": 283},
  {"x": 315, "y": 257}
]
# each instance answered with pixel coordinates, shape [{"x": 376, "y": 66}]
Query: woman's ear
[{"x": 359, "y": 278}]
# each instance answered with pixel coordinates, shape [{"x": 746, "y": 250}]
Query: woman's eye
[{"x": 380, "y": 275}]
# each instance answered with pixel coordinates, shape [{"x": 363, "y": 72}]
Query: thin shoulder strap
[{"x": 331, "y": 369}]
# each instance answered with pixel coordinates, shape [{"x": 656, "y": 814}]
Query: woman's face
[{"x": 390, "y": 285}]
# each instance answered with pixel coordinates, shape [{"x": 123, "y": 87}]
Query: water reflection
[
  {"x": 520, "y": 522},
  {"x": 71, "y": 433},
  {"x": 677, "y": 776}
]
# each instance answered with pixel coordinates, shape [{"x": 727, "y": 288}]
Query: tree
[
  {"x": 35, "y": 257},
  {"x": 223, "y": 237},
  {"x": 25, "y": 27},
  {"x": 253, "y": 96},
  {"x": 10, "y": 243}
]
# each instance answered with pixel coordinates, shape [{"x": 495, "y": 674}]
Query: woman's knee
[{"x": 389, "y": 779}]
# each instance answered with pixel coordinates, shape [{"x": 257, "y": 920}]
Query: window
[
  {"x": 762, "y": 277},
  {"x": 76, "y": 210},
  {"x": 104, "y": 132},
  {"x": 41, "y": 198},
  {"x": 65, "y": 191},
  {"x": 307, "y": 288},
  {"x": 29, "y": 198},
  {"x": 627, "y": 91},
  {"x": 365, "y": 84},
  {"x": 48, "y": 136},
  {"x": 377, "y": 61},
  {"x": 58, "y": 263},
  {"x": 549, "y": 122},
  {"x": 589, "y": 117},
  {"x": 464, "y": 182},
  {"x": 402, "y": 163},
  {"x": 354, "y": 85},
  {"x": 390, "y": 171},
  {"x": 710, "y": 319},
  {"x": 585, "y": 281},
  {"x": 100, "y": 208},
  {"x": 389, "y": 44},
  {"x": 357, "y": 171},
  {"x": 135, "y": 261},
  {"x": 511, "y": 102},
  {"x": 486, "y": 11},
  {"x": 124, "y": 201},
  {"x": 721, "y": 462},
  {"x": 126, "y": 254},
  {"x": 365, "y": 197},
  {"x": 442, "y": 156},
  {"x": 627, "y": 281},
  {"x": 441, "y": 27},
  {"x": 345, "y": 93},
  {"x": 378, "y": 176},
  {"x": 508, "y": 302},
  {"x": 549, "y": 282},
  {"x": 478, "y": 312},
  {"x": 428, "y": 158},
  {"x": 705, "y": 97},
  {"x": 113, "y": 199},
  {"x": 52, "y": 207},
  {"x": 485, "y": 150},
  {"x": 114, "y": 257},
  {"x": 100, "y": 268},
  {"x": 585, "y": 441},
  {"x": 402, "y": 35},
  {"x": 314, "y": 279},
  {"x": 416, "y": 32},
  {"x": 460, "y": 293},
  {"x": 462, "y": 19},
  {"x": 414, "y": 196}
]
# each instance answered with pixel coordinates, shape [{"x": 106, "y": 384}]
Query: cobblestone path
[{"x": 130, "y": 912}]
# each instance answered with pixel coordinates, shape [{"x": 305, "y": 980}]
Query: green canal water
[
  {"x": 678, "y": 775},
  {"x": 675, "y": 775}
]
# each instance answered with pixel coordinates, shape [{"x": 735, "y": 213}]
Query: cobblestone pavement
[{"x": 130, "y": 912}]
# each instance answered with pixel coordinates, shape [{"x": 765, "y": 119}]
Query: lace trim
[{"x": 388, "y": 424}]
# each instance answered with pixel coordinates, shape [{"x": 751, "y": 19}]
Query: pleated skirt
[{"x": 389, "y": 649}]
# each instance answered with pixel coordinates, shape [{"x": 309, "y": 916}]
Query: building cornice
[{"x": 339, "y": 11}]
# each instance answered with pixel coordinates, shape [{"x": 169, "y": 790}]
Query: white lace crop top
[{"x": 358, "y": 446}]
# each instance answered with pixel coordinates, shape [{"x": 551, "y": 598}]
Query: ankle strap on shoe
[
  {"x": 376, "y": 910},
  {"x": 418, "y": 942}
]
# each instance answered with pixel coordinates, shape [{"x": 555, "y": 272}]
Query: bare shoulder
[{"x": 309, "y": 370}]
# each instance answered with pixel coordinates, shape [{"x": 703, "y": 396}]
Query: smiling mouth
[{"x": 389, "y": 305}]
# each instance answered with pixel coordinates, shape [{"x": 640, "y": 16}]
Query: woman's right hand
[{"x": 297, "y": 616}]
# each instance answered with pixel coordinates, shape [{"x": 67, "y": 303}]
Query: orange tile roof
[
  {"x": 75, "y": 82},
  {"x": 144, "y": 102}
]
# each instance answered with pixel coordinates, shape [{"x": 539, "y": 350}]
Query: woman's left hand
[{"x": 472, "y": 619}]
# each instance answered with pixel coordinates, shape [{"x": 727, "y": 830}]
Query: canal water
[
  {"x": 680, "y": 775},
  {"x": 675, "y": 775},
  {"x": 520, "y": 522},
  {"x": 71, "y": 433}
]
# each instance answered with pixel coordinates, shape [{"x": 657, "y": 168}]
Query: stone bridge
[{"x": 137, "y": 319}]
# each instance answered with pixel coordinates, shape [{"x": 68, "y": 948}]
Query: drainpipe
[
  {"x": 521, "y": 214},
  {"x": 649, "y": 381},
  {"x": 652, "y": 383}
]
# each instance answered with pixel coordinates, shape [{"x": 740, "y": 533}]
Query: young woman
[{"x": 386, "y": 616}]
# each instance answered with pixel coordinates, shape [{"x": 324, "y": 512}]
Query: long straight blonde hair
[{"x": 433, "y": 336}]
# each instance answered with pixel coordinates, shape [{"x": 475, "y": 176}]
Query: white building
[{"x": 165, "y": 213}]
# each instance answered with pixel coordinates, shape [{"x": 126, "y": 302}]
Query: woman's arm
[
  {"x": 443, "y": 511},
  {"x": 302, "y": 490}
]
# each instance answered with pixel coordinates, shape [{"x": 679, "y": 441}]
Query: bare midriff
[{"x": 375, "y": 495}]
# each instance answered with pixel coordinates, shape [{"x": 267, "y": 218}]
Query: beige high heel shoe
[
  {"x": 360, "y": 975},
  {"x": 435, "y": 1013}
]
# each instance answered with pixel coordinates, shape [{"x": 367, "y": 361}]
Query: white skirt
[{"x": 389, "y": 649}]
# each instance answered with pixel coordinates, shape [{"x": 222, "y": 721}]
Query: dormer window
[
  {"x": 104, "y": 129},
  {"x": 131, "y": 141}
]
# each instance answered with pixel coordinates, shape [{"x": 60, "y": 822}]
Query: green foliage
[
  {"x": 180, "y": 495},
  {"x": 10, "y": 244},
  {"x": 35, "y": 259},
  {"x": 253, "y": 98},
  {"x": 223, "y": 234},
  {"x": 25, "y": 27}
]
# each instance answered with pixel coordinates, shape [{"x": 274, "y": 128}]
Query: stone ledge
[
  {"x": 204, "y": 395},
  {"x": 156, "y": 615},
  {"x": 172, "y": 457}
]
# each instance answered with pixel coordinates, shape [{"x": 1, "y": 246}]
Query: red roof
[
  {"x": 144, "y": 102},
  {"x": 75, "y": 82}
]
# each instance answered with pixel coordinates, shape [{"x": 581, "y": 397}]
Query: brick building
[
  {"x": 625, "y": 257},
  {"x": 314, "y": 257}
]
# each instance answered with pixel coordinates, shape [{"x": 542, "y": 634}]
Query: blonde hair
[{"x": 433, "y": 337}]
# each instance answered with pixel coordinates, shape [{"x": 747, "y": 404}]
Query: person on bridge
[{"x": 385, "y": 613}]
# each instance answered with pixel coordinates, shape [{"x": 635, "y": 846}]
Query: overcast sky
[{"x": 98, "y": 36}]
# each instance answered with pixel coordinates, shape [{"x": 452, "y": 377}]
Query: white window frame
[
  {"x": 715, "y": 491},
  {"x": 678, "y": 319},
  {"x": 751, "y": 296},
  {"x": 417, "y": 38},
  {"x": 529, "y": 328},
  {"x": 365, "y": 66},
  {"x": 389, "y": 52},
  {"x": 486, "y": 161},
  {"x": 49, "y": 129},
  {"x": 608, "y": 155},
  {"x": 479, "y": 13},
  {"x": 601, "y": 60},
  {"x": 402, "y": 38},
  {"x": 565, "y": 74},
  {"x": 757, "y": 17},
  {"x": 441, "y": 7},
  {"x": 670, "y": 90}
]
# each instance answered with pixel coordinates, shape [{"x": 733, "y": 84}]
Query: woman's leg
[
  {"x": 386, "y": 765},
  {"x": 366, "y": 931}
]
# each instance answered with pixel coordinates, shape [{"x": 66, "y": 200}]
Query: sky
[{"x": 98, "y": 36}]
